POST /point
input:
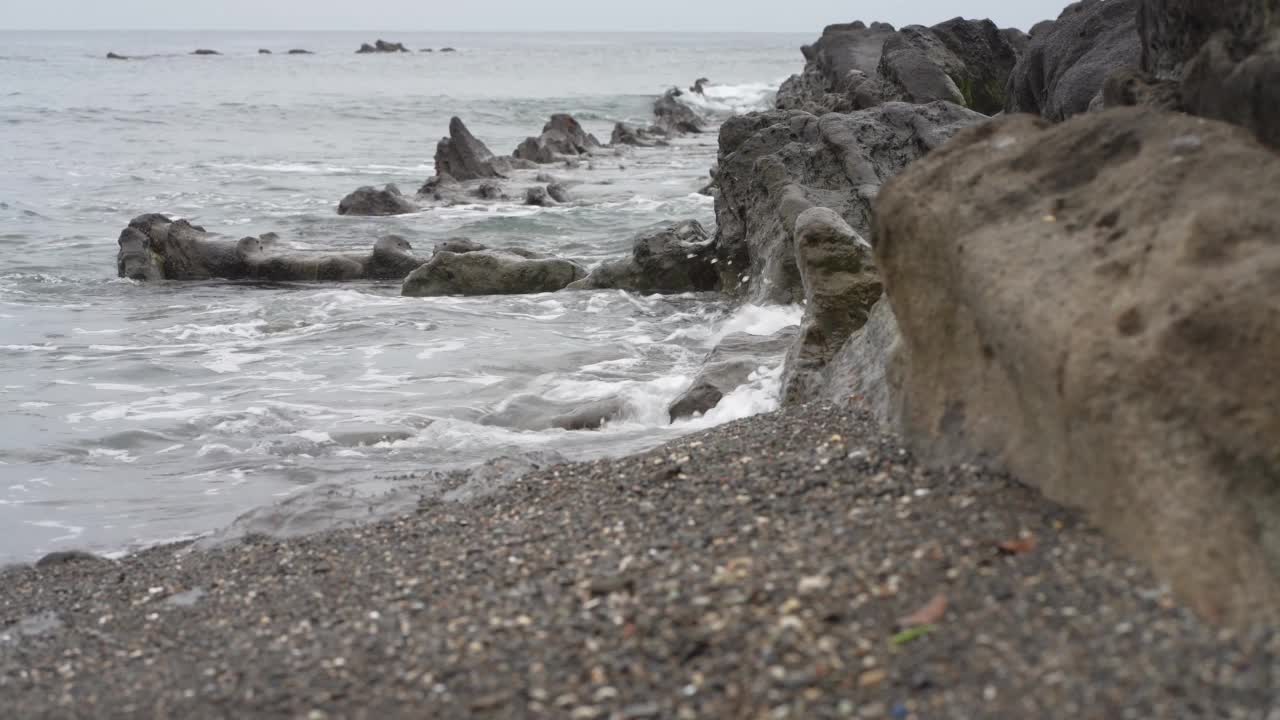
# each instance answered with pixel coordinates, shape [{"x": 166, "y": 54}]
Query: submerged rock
[
  {"x": 154, "y": 247},
  {"x": 489, "y": 272},
  {"x": 728, "y": 367},
  {"x": 1107, "y": 338},
  {"x": 534, "y": 412},
  {"x": 1068, "y": 60},
  {"x": 538, "y": 196},
  {"x": 369, "y": 200},
  {"x": 678, "y": 258},
  {"x": 558, "y": 192}
]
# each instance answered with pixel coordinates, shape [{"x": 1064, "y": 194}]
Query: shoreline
[{"x": 759, "y": 569}]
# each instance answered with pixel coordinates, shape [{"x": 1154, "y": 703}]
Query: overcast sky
[{"x": 507, "y": 15}]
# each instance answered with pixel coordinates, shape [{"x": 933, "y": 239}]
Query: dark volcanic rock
[
  {"x": 298, "y": 51},
  {"x": 263, "y": 51},
  {"x": 538, "y": 195},
  {"x": 1221, "y": 58},
  {"x": 773, "y": 166},
  {"x": 462, "y": 157},
  {"x": 562, "y": 137},
  {"x": 840, "y": 287},
  {"x": 114, "y": 56},
  {"x": 489, "y": 190},
  {"x": 1068, "y": 60},
  {"x": 674, "y": 117},
  {"x": 844, "y": 53},
  {"x": 369, "y": 200},
  {"x": 1107, "y": 338},
  {"x": 448, "y": 49},
  {"x": 382, "y": 46},
  {"x": 675, "y": 259},
  {"x": 154, "y": 247},
  {"x": 558, "y": 192},
  {"x": 69, "y": 557},
  {"x": 489, "y": 272},
  {"x": 728, "y": 367},
  {"x": 205, "y": 51}
]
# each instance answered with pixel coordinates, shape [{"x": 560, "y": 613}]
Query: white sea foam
[{"x": 726, "y": 100}]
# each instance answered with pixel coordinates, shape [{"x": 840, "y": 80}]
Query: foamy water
[{"x": 137, "y": 413}]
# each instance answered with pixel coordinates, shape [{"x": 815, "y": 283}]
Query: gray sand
[{"x": 757, "y": 570}]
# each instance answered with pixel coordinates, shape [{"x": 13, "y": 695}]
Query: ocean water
[{"x": 137, "y": 413}]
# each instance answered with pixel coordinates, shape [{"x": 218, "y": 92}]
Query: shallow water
[{"x": 138, "y": 413}]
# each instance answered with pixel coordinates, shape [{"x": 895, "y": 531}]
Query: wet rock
[
  {"x": 205, "y": 51},
  {"x": 728, "y": 367},
  {"x": 459, "y": 245},
  {"x": 69, "y": 557},
  {"x": 489, "y": 272},
  {"x": 538, "y": 196},
  {"x": 1106, "y": 338},
  {"x": 114, "y": 56},
  {"x": 624, "y": 134},
  {"x": 489, "y": 190},
  {"x": 674, "y": 117},
  {"x": 840, "y": 287},
  {"x": 775, "y": 165},
  {"x": 534, "y": 412},
  {"x": 299, "y": 51},
  {"x": 371, "y": 201},
  {"x": 558, "y": 192},
  {"x": 562, "y": 137},
  {"x": 263, "y": 51},
  {"x": 154, "y": 247},
  {"x": 381, "y": 46},
  {"x": 678, "y": 258},
  {"x": 462, "y": 157},
  {"x": 1068, "y": 60}
]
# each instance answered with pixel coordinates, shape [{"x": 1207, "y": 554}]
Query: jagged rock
[
  {"x": 561, "y": 137},
  {"x": 728, "y": 367},
  {"x": 674, "y": 117},
  {"x": 1092, "y": 305},
  {"x": 840, "y": 287},
  {"x": 678, "y": 258},
  {"x": 1219, "y": 58},
  {"x": 775, "y": 165},
  {"x": 369, "y": 200},
  {"x": 154, "y": 247},
  {"x": 843, "y": 49},
  {"x": 381, "y": 46},
  {"x": 462, "y": 157},
  {"x": 1068, "y": 60},
  {"x": 489, "y": 272}
]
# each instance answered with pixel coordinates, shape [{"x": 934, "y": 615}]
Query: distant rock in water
[
  {"x": 298, "y": 51},
  {"x": 462, "y": 157},
  {"x": 369, "y": 200},
  {"x": 114, "y": 56},
  {"x": 381, "y": 46},
  {"x": 562, "y": 137},
  {"x": 624, "y": 134},
  {"x": 558, "y": 192},
  {"x": 205, "y": 51},
  {"x": 538, "y": 196},
  {"x": 155, "y": 248},
  {"x": 699, "y": 86},
  {"x": 447, "y": 49},
  {"x": 489, "y": 272},
  {"x": 426, "y": 50},
  {"x": 674, "y": 117},
  {"x": 263, "y": 51},
  {"x": 679, "y": 258}
]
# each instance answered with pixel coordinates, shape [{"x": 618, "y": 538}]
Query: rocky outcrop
[
  {"x": 205, "y": 51},
  {"x": 624, "y": 134},
  {"x": 381, "y": 46},
  {"x": 728, "y": 367},
  {"x": 678, "y": 258},
  {"x": 1092, "y": 306},
  {"x": 490, "y": 272},
  {"x": 263, "y": 51},
  {"x": 840, "y": 287},
  {"x": 855, "y": 67},
  {"x": 562, "y": 137},
  {"x": 1068, "y": 60},
  {"x": 538, "y": 197},
  {"x": 775, "y": 165},
  {"x": 154, "y": 248},
  {"x": 369, "y": 200},
  {"x": 673, "y": 117},
  {"x": 116, "y": 56},
  {"x": 1220, "y": 58},
  {"x": 299, "y": 51},
  {"x": 462, "y": 157}
]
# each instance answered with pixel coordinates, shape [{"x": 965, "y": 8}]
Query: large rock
[
  {"x": 1068, "y": 60},
  {"x": 381, "y": 46},
  {"x": 369, "y": 200},
  {"x": 728, "y": 367},
  {"x": 775, "y": 165},
  {"x": 840, "y": 287},
  {"x": 489, "y": 272},
  {"x": 1093, "y": 306},
  {"x": 678, "y": 258},
  {"x": 844, "y": 53},
  {"x": 153, "y": 247},
  {"x": 562, "y": 137},
  {"x": 1222, "y": 56},
  {"x": 462, "y": 157},
  {"x": 673, "y": 117}
]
